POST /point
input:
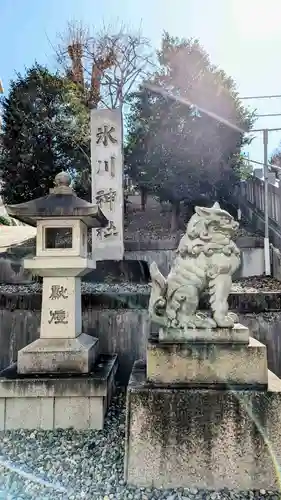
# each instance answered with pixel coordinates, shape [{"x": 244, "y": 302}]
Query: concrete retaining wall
[
  {"x": 137, "y": 254},
  {"x": 124, "y": 330},
  {"x": 163, "y": 252}
]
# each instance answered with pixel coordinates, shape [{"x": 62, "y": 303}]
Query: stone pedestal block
[
  {"x": 61, "y": 311},
  {"x": 239, "y": 334},
  {"x": 197, "y": 363},
  {"x": 58, "y": 355},
  {"x": 57, "y": 402},
  {"x": 202, "y": 438}
]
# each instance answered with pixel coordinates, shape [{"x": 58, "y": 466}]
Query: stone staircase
[{"x": 153, "y": 223}]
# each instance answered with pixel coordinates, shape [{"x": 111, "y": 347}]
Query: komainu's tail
[{"x": 158, "y": 290}]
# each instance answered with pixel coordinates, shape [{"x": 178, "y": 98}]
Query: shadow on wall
[
  {"x": 266, "y": 328},
  {"x": 252, "y": 260},
  {"x": 135, "y": 267},
  {"x": 121, "y": 331},
  {"x": 111, "y": 271},
  {"x": 132, "y": 271},
  {"x": 13, "y": 272}
]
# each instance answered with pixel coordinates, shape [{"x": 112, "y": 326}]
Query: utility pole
[
  {"x": 1, "y": 92},
  {"x": 265, "y": 175},
  {"x": 266, "y": 219}
]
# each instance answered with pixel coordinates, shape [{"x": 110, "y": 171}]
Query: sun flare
[{"x": 256, "y": 18}]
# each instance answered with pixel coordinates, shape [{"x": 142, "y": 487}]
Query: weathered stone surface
[
  {"x": 107, "y": 181},
  {"x": 59, "y": 266},
  {"x": 123, "y": 330},
  {"x": 252, "y": 263},
  {"x": 209, "y": 439},
  {"x": 206, "y": 259},
  {"x": 238, "y": 333},
  {"x": 12, "y": 270},
  {"x": 122, "y": 298},
  {"x": 201, "y": 363},
  {"x": 62, "y": 355},
  {"x": 258, "y": 302},
  {"x": 57, "y": 402},
  {"x": 61, "y": 297}
]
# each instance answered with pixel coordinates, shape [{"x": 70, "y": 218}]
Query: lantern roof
[{"x": 61, "y": 203}]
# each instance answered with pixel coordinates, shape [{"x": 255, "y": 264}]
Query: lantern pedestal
[
  {"x": 62, "y": 347},
  {"x": 59, "y": 355},
  {"x": 57, "y": 401}
]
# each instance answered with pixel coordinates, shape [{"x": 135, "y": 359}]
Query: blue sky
[{"x": 241, "y": 36}]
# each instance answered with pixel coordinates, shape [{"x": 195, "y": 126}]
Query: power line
[
  {"x": 261, "y": 97},
  {"x": 254, "y": 161},
  {"x": 262, "y": 129},
  {"x": 260, "y": 163},
  {"x": 271, "y": 114}
]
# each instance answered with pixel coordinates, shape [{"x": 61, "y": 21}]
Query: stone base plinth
[
  {"x": 207, "y": 363},
  {"x": 57, "y": 402},
  {"x": 200, "y": 438},
  {"x": 76, "y": 355},
  {"x": 239, "y": 334},
  {"x": 60, "y": 266}
]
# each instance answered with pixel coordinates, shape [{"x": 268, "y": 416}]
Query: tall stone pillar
[{"x": 107, "y": 181}]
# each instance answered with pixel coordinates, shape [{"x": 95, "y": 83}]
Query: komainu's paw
[
  {"x": 224, "y": 321},
  {"x": 204, "y": 321},
  {"x": 199, "y": 320},
  {"x": 174, "y": 323},
  {"x": 159, "y": 306},
  {"x": 234, "y": 317}
]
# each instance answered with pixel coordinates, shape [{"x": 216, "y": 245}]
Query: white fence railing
[{"x": 252, "y": 191}]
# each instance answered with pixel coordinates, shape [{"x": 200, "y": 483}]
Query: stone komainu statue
[{"x": 206, "y": 258}]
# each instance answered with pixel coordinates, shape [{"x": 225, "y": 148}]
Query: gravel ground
[
  {"x": 159, "y": 233},
  {"x": 162, "y": 233},
  {"x": 254, "y": 284},
  {"x": 72, "y": 465},
  {"x": 92, "y": 288}
]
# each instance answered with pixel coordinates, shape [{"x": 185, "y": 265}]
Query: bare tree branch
[{"x": 106, "y": 65}]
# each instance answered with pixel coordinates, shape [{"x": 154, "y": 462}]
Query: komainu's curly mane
[{"x": 208, "y": 231}]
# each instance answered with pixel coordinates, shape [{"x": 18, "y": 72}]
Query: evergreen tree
[
  {"x": 41, "y": 134},
  {"x": 186, "y": 128}
]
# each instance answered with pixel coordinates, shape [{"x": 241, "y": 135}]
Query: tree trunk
[
  {"x": 125, "y": 204},
  {"x": 175, "y": 216},
  {"x": 143, "y": 199}
]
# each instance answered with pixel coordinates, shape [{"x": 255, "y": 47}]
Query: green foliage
[
  {"x": 176, "y": 149},
  {"x": 45, "y": 130},
  {"x": 243, "y": 168},
  {"x": 275, "y": 159},
  {"x": 5, "y": 221}
]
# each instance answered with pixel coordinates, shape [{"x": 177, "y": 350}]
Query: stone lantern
[
  {"x": 62, "y": 221},
  {"x": 62, "y": 352}
]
